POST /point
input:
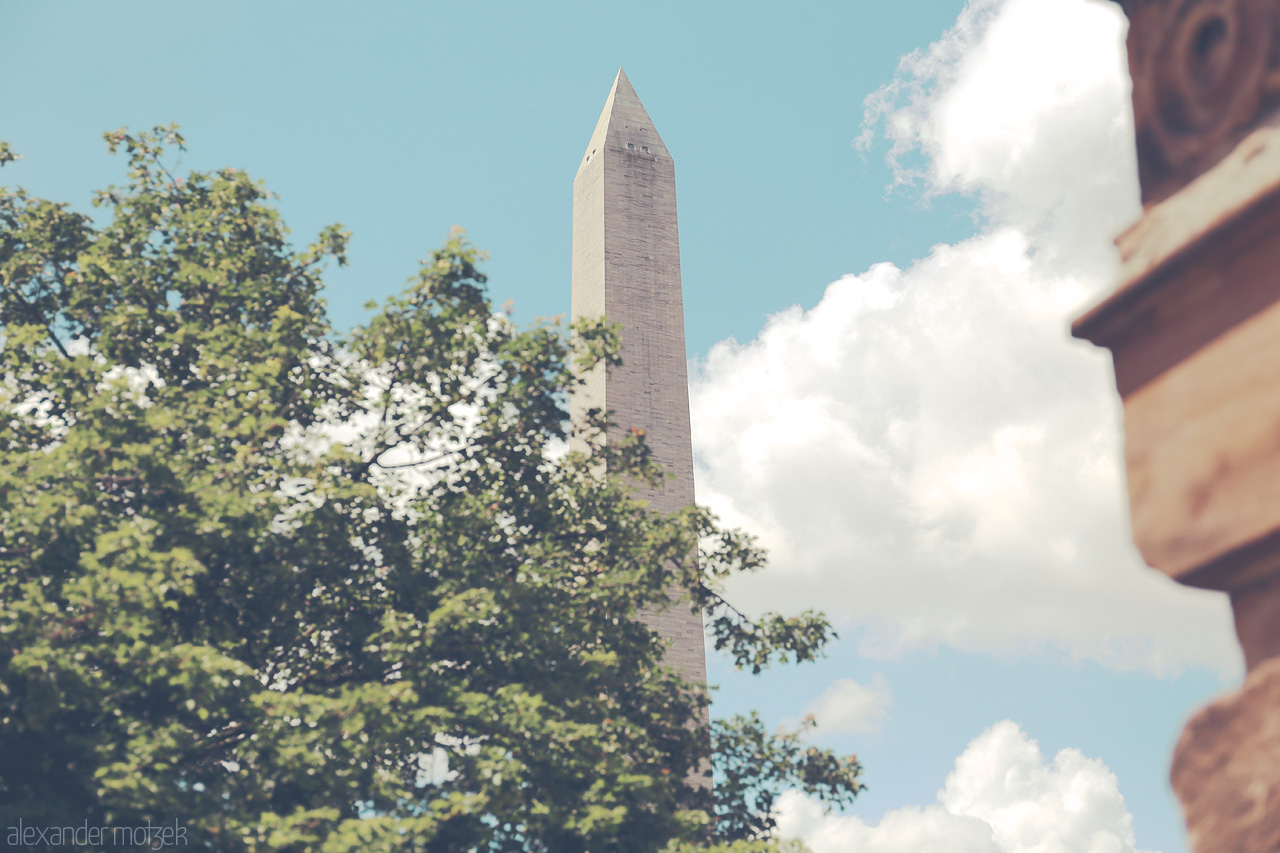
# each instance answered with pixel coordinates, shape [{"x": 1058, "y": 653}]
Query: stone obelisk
[{"x": 626, "y": 266}]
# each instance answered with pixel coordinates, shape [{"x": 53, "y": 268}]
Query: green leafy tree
[
  {"x": 754, "y": 764},
  {"x": 302, "y": 590}
]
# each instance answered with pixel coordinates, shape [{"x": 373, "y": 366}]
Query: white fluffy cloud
[
  {"x": 926, "y": 453},
  {"x": 1002, "y": 797},
  {"x": 1027, "y": 104},
  {"x": 848, "y": 706}
]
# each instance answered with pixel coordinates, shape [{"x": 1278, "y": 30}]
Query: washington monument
[{"x": 626, "y": 266}]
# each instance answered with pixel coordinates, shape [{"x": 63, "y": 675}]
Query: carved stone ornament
[
  {"x": 1224, "y": 769},
  {"x": 1204, "y": 73}
]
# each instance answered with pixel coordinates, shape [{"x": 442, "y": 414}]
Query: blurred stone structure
[
  {"x": 1194, "y": 329},
  {"x": 626, "y": 266}
]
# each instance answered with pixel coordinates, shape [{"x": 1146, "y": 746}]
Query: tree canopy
[{"x": 302, "y": 589}]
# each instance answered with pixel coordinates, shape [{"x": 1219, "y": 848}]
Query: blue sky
[{"x": 884, "y": 388}]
